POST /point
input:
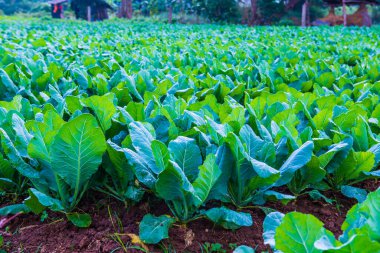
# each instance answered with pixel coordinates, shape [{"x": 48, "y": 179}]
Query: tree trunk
[
  {"x": 89, "y": 13},
  {"x": 254, "y": 12},
  {"x": 126, "y": 9},
  {"x": 170, "y": 14},
  {"x": 129, "y": 9},
  {"x": 305, "y": 11},
  {"x": 344, "y": 13}
]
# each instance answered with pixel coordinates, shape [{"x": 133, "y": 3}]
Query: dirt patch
[{"x": 28, "y": 234}]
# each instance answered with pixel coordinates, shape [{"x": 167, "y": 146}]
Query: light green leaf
[
  {"x": 244, "y": 249},
  {"x": 353, "y": 166},
  {"x": 228, "y": 218},
  {"x": 161, "y": 154},
  {"x": 103, "y": 107},
  {"x": 39, "y": 145},
  {"x": 357, "y": 243},
  {"x": 364, "y": 219},
  {"x": 209, "y": 173},
  {"x": 77, "y": 151},
  {"x": 187, "y": 155},
  {"x": 271, "y": 222},
  {"x": 298, "y": 232}
]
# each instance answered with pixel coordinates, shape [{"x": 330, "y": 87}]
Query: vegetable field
[{"x": 187, "y": 129}]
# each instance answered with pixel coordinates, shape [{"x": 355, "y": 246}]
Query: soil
[{"x": 112, "y": 222}]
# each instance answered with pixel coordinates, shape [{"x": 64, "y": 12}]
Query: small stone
[
  {"x": 189, "y": 238},
  {"x": 325, "y": 212}
]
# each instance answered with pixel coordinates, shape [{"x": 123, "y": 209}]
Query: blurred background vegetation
[{"x": 268, "y": 12}]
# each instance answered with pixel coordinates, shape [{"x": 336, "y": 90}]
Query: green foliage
[
  {"x": 197, "y": 117},
  {"x": 229, "y": 219},
  {"x": 305, "y": 233},
  {"x": 9, "y": 7},
  {"x": 154, "y": 229},
  {"x": 272, "y": 12},
  {"x": 79, "y": 220},
  {"x": 244, "y": 249}
]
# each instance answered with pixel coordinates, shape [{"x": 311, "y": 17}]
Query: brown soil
[{"x": 28, "y": 234}]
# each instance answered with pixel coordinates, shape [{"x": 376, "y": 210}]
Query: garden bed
[{"x": 28, "y": 234}]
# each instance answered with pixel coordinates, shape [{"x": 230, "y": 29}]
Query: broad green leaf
[
  {"x": 14, "y": 209},
  {"x": 161, "y": 154},
  {"x": 357, "y": 243},
  {"x": 257, "y": 148},
  {"x": 6, "y": 84},
  {"x": 73, "y": 104},
  {"x": 364, "y": 219},
  {"x": 38, "y": 201},
  {"x": 326, "y": 79},
  {"x": 209, "y": 173},
  {"x": 265, "y": 171},
  {"x": 154, "y": 229},
  {"x": 103, "y": 107},
  {"x": 142, "y": 142},
  {"x": 53, "y": 120},
  {"x": 336, "y": 154},
  {"x": 317, "y": 195},
  {"x": 271, "y": 222},
  {"x": 15, "y": 157},
  {"x": 322, "y": 119},
  {"x": 22, "y": 136},
  {"x": 77, "y": 151},
  {"x": 80, "y": 220},
  {"x": 353, "y": 192},
  {"x": 6, "y": 170},
  {"x": 225, "y": 162},
  {"x": 296, "y": 161},
  {"x": 360, "y": 136},
  {"x": 281, "y": 197},
  {"x": 244, "y": 249},
  {"x": 172, "y": 184},
  {"x": 15, "y": 104},
  {"x": 39, "y": 145},
  {"x": 298, "y": 232},
  {"x": 187, "y": 155},
  {"x": 141, "y": 169},
  {"x": 376, "y": 151},
  {"x": 353, "y": 166},
  {"x": 228, "y": 218},
  {"x": 118, "y": 166}
]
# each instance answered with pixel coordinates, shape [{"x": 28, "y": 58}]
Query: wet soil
[{"x": 114, "y": 225}]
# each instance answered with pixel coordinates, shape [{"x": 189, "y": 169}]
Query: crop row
[{"x": 192, "y": 116}]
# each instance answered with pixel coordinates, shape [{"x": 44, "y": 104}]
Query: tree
[
  {"x": 170, "y": 5},
  {"x": 126, "y": 9},
  {"x": 254, "y": 15}
]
